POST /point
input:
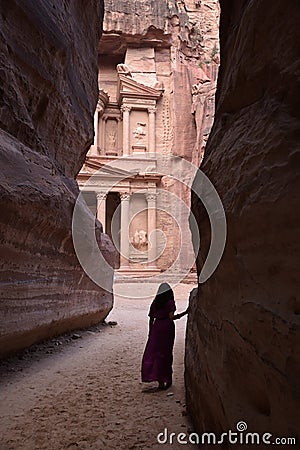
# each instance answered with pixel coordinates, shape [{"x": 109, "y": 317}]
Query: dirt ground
[{"x": 83, "y": 390}]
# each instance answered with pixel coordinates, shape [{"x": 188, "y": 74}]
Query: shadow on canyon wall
[{"x": 243, "y": 330}]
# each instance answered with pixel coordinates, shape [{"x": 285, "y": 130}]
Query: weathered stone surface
[
  {"x": 184, "y": 35},
  {"x": 151, "y": 22},
  {"x": 173, "y": 44},
  {"x": 48, "y": 96},
  {"x": 242, "y": 354}
]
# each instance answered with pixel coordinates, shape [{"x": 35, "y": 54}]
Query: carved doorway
[{"x": 113, "y": 222}]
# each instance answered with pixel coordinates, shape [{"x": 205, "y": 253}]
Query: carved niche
[
  {"x": 110, "y": 131},
  {"x": 139, "y": 130},
  {"x": 111, "y": 136},
  {"x": 138, "y": 223}
]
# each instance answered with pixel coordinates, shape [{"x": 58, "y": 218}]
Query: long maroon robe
[{"x": 158, "y": 355}]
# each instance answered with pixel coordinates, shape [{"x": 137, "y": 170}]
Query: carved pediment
[
  {"x": 94, "y": 165},
  {"x": 129, "y": 88},
  {"x": 114, "y": 171}
]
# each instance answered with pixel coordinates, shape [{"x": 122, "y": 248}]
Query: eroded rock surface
[
  {"x": 243, "y": 330},
  {"x": 172, "y": 46},
  {"x": 48, "y": 96},
  {"x": 184, "y": 35}
]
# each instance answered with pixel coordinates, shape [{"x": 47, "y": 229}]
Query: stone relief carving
[
  {"x": 151, "y": 197},
  {"x": 140, "y": 131},
  {"x": 139, "y": 240},
  {"x": 125, "y": 108},
  {"x": 151, "y": 109},
  {"x": 150, "y": 169},
  {"x": 101, "y": 196},
  {"x": 124, "y": 196},
  {"x": 111, "y": 140},
  {"x": 124, "y": 70},
  {"x": 111, "y": 135},
  {"x": 103, "y": 101},
  {"x": 180, "y": 6}
]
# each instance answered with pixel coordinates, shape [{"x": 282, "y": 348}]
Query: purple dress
[{"x": 158, "y": 355}]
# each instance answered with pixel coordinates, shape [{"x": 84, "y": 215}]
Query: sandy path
[{"x": 88, "y": 395}]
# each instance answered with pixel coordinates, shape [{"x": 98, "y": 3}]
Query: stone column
[
  {"x": 151, "y": 199},
  {"x": 101, "y": 208},
  {"x": 151, "y": 112},
  {"x": 96, "y": 125},
  {"x": 124, "y": 238},
  {"x": 126, "y": 129},
  {"x": 100, "y": 108},
  {"x": 94, "y": 146}
]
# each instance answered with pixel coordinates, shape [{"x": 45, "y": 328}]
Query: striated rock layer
[
  {"x": 242, "y": 360},
  {"x": 48, "y": 96}
]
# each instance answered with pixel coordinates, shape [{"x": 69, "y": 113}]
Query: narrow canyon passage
[{"x": 87, "y": 394}]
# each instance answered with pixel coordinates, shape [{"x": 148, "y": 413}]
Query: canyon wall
[
  {"x": 48, "y": 96},
  {"x": 242, "y": 354}
]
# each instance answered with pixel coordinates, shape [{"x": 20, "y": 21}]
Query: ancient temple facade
[{"x": 155, "y": 107}]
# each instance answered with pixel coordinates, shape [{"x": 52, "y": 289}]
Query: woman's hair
[{"x": 164, "y": 293}]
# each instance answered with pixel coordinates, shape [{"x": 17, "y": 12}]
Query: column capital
[
  {"x": 152, "y": 131},
  {"x": 151, "y": 109},
  {"x": 124, "y": 196},
  {"x": 126, "y": 129},
  {"x": 101, "y": 195},
  {"x": 124, "y": 235},
  {"x": 103, "y": 100},
  {"x": 152, "y": 227},
  {"x": 151, "y": 196},
  {"x": 126, "y": 108},
  {"x": 101, "y": 208}
]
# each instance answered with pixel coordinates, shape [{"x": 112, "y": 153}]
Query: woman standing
[{"x": 158, "y": 355}]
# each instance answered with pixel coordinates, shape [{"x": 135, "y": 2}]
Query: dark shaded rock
[
  {"x": 48, "y": 96},
  {"x": 242, "y": 355}
]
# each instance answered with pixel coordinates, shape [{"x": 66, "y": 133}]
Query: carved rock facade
[
  {"x": 49, "y": 93},
  {"x": 243, "y": 329},
  {"x": 157, "y": 70}
]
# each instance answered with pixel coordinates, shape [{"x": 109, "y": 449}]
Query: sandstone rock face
[
  {"x": 243, "y": 330},
  {"x": 48, "y": 96},
  {"x": 173, "y": 45},
  {"x": 184, "y": 35}
]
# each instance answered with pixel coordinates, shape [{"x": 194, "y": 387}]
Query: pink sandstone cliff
[
  {"x": 48, "y": 96},
  {"x": 184, "y": 36},
  {"x": 242, "y": 349}
]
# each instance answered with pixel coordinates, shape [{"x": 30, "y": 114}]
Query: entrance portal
[{"x": 113, "y": 222}]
